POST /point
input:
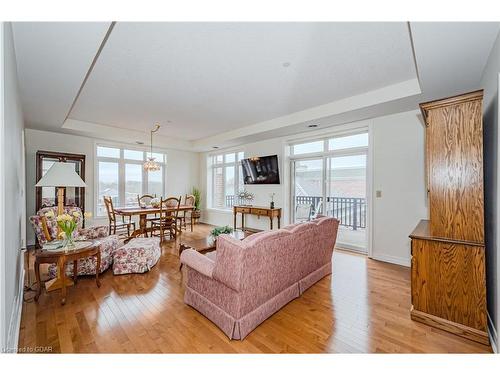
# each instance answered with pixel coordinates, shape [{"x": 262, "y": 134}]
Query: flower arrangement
[
  {"x": 245, "y": 197},
  {"x": 68, "y": 224},
  {"x": 155, "y": 202},
  {"x": 221, "y": 230}
]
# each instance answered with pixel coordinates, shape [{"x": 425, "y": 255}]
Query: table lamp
[{"x": 61, "y": 175}]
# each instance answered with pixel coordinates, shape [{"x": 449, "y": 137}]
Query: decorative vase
[
  {"x": 69, "y": 241},
  {"x": 271, "y": 205}
]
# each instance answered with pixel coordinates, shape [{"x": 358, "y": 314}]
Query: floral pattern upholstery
[
  {"x": 36, "y": 221},
  {"x": 87, "y": 266},
  {"x": 138, "y": 256}
]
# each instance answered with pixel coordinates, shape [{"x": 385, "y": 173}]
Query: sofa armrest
[
  {"x": 229, "y": 261},
  {"x": 198, "y": 262}
]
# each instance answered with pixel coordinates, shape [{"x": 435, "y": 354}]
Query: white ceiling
[
  {"x": 225, "y": 83},
  {"x": 208, "y": 78},
  {"x": 52, "y": 60}
]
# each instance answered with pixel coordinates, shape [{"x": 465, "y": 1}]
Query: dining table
[{"x": 143, "y": 213}]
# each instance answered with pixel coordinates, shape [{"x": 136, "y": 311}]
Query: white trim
[
  {"x": 392, "y": 259},
  {"x": 492, "y": 332},
  {"x": 15, "y": 319},
  {"x": 3, "y": 328},
  {"x": 369, "y": 192}
]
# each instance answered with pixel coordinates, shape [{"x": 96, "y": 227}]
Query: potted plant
[
  {"x": 216, "y": 232},
  {"x": 197, "y": 203}
]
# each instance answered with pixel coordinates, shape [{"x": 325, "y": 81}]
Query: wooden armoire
[{"x": 448, "y": 277}]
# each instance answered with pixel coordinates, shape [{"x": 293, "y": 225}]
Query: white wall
[
  {"x": 182, "y": 167},
  {"x": 13, "y": 200},
  {"x": 262, "y": 193},
  {"x": 398, "y": 171},
  {"x": 490, "y": 82}
]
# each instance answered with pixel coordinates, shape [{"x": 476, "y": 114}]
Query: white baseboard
[
  {"x": 392, "y": 259},
  {"x": 15, "y": 318},
  {"x": 492, "y": 332}
]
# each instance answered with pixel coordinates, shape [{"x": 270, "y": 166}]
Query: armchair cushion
[{"x": 197, "y": 261}]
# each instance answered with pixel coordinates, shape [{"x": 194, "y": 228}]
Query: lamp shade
[{"x": 61, "y": 175}]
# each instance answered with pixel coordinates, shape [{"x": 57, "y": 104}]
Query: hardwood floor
[{"x": 363, "y": 307}]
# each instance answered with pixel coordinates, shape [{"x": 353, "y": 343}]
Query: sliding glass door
[
  {"x": 333, "y": 183},
  {"x": 346, "y": 198}
]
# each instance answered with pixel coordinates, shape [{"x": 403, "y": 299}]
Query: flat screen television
[{"x": 261, "y": 170}]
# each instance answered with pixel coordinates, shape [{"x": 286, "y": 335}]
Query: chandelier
[{"x": 151, "y": 165}]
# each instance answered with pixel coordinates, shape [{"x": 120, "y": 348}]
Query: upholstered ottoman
[{"x": 137, "y": 256}]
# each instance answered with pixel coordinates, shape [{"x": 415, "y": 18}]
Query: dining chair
[
  {"x": 303, "y": 212},
  {"x": 188, "y": 201},
  {"x": 114, "y": 224},
  {"x": 145, "y": 201},
  {"x": 167, "y": 222},
  {"x": 317, "y": 210}
]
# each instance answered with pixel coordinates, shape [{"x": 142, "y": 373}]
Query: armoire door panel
[{"x": 455, "y": 168}]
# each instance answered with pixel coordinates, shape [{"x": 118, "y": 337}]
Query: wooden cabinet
[{"x": 448, "y": 254}]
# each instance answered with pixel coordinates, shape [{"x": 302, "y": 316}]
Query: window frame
[
  {"x": 325, "y": 138},
  {"x": 213, "y": 165},
  {"x": 122, "y": 162}
]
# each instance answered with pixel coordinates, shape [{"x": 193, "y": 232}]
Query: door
[{"x": 346, "y": 198}]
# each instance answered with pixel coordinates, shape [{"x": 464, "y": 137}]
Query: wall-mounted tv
[{"x": 261, "y": 170}]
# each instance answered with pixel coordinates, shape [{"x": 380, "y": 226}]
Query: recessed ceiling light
[
  {"x": 215, "y": 147},
  {"x": 139, "y": 142},
  {"x": 313, "y": 126},
  {"x": 286, "y": 64}
]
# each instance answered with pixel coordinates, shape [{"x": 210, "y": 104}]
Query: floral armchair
[{"x": 87, "y": 266}]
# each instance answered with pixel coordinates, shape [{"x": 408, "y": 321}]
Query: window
[
  {"x": 342, "y": 143},
  {"x": 120, "y": 174},
  {"x": 309, "y": 147},
  {"x": 337, "y": 143},
  {"x": 226, "y": 178}
]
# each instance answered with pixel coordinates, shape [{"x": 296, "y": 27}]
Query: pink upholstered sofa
[{"x": 244, "y": 282}]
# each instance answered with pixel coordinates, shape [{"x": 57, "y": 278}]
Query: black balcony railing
[{"x": 350, "y": 211}]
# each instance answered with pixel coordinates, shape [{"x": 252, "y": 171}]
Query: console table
[{"x": 258, "y": 211}]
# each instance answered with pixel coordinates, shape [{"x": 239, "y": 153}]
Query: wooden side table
[
  {"x": 258, "y": 211},
  {"x": 83, "y": 249}
]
